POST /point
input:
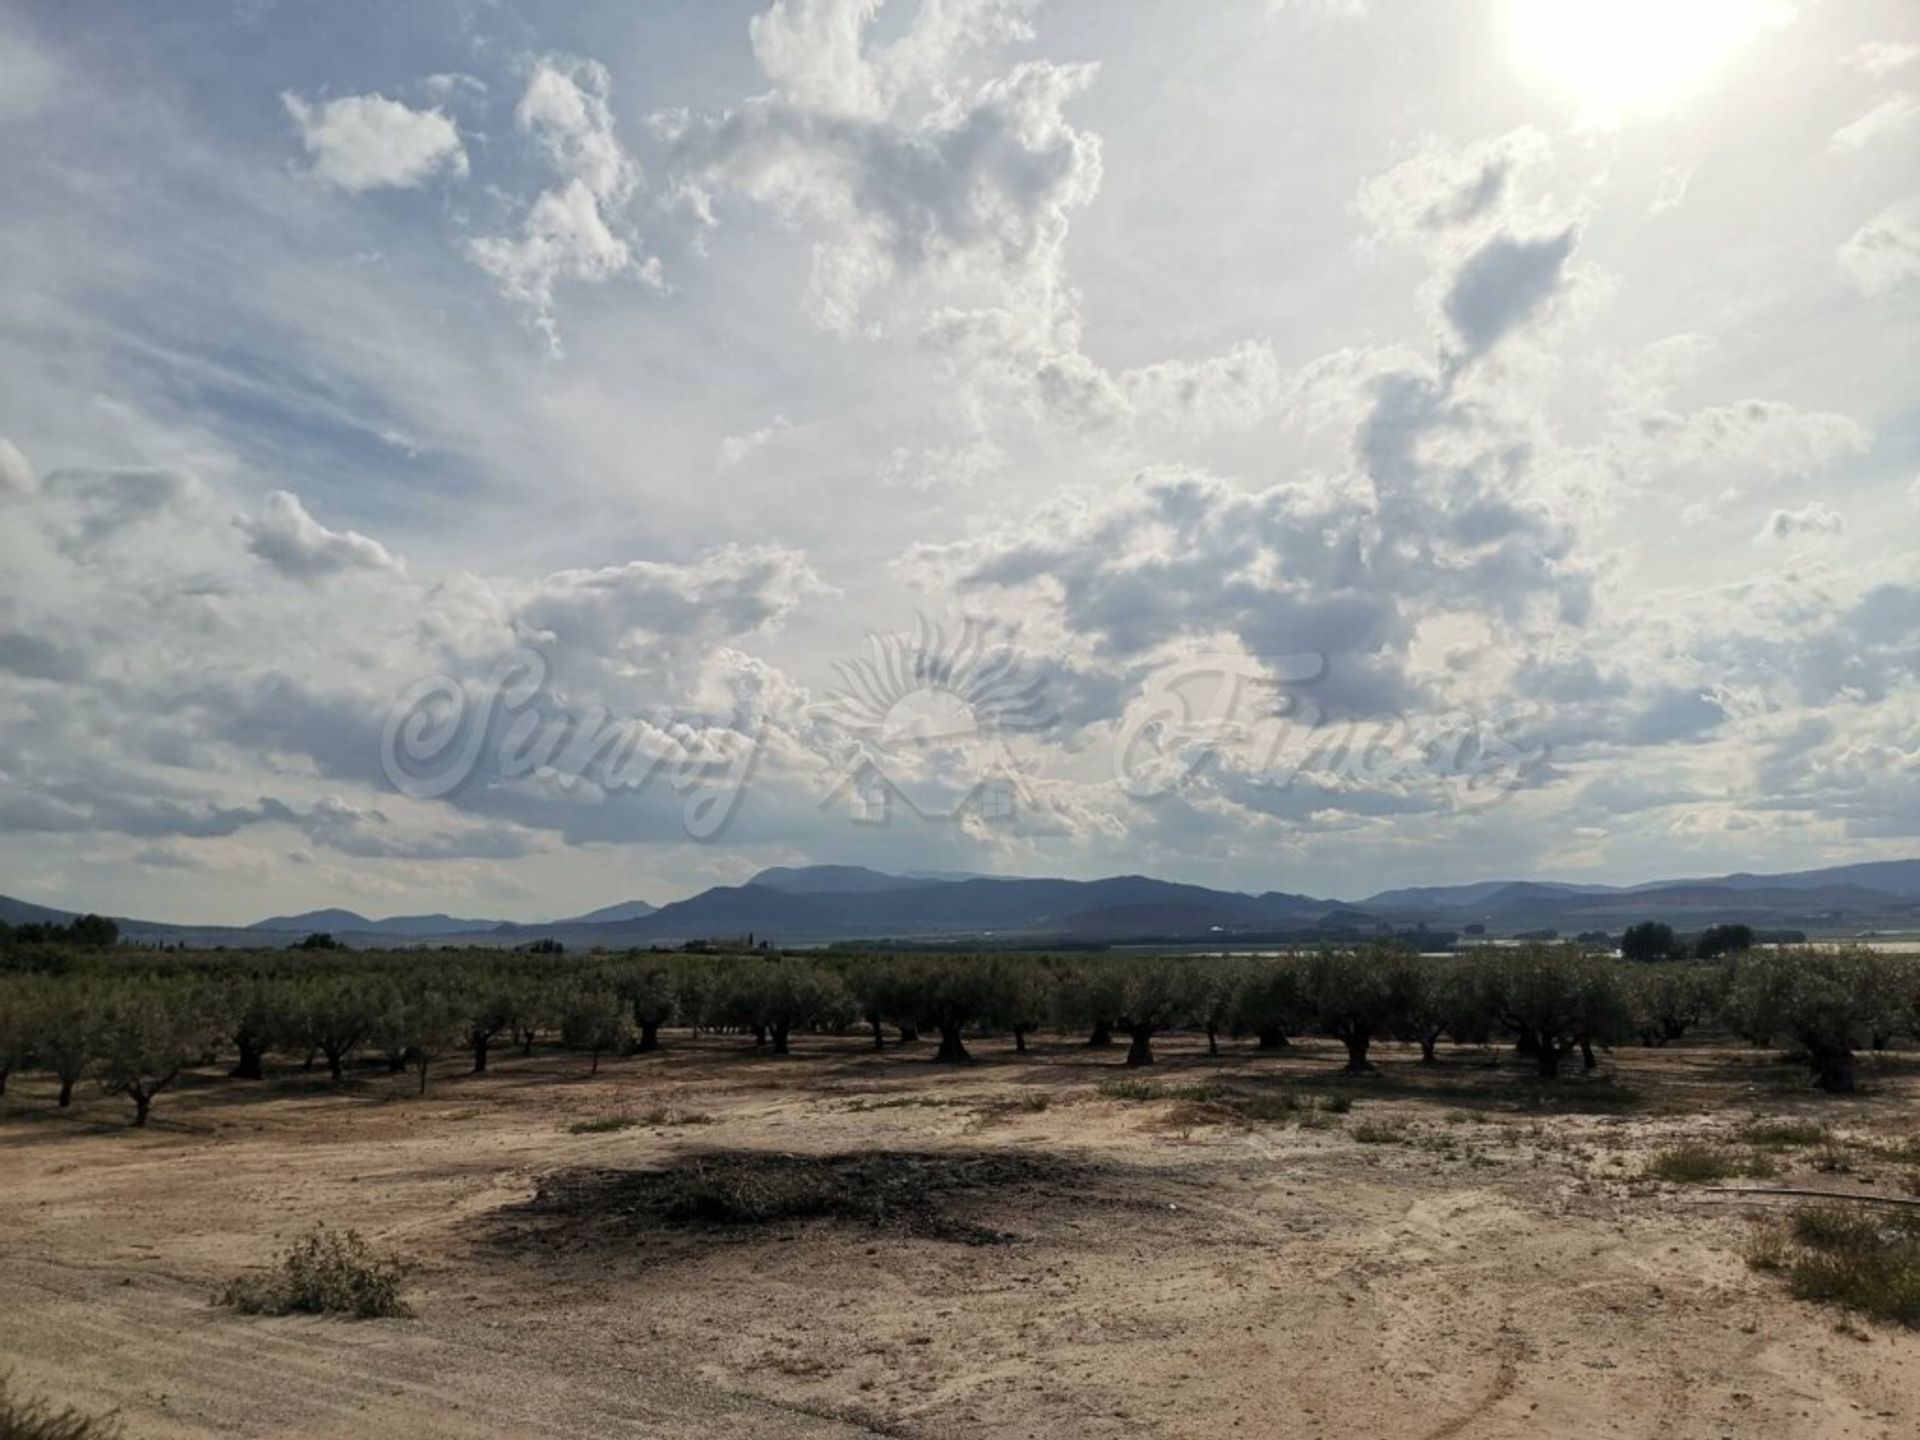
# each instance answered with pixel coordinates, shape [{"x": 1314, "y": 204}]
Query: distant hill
[
  {"x": 337, "y": 921},
  {"x": 816, "y": 904},
  {"x": 625, "y": 910},
  {"x": 1454, "y": 897},
  {"x": 19, "y": 912},
  {"x": 838, "y": 880}
]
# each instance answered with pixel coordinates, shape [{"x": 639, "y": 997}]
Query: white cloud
[
  {"x": 1447, "y": 188},
  {"x": 576, "y": 231},
  {"x": 565, "y": 110},
  {"x": 1887, "y": 120},
  {"x": 942, "y": 467},
  {"x": 735, "y": 449},
  {"x": 16, "y": 475},
  {"x": 975, "y": 192},
  {"x": 301, "y": 548},
  {"x": 1233, "y": 390},
  {"x": 1883, "y": 57},
  {"x": 1811, "y": 519},
  {"x": 564, "y": 236},
  {"x": 1672, "y": 189},
  {"x": 368, "y": 142},
  {"x": 1884, "y": 254},
  {"x": 1505, "y": 283},
  {"x": 655, "y": 605}
]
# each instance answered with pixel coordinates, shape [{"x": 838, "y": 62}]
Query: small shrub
[
  {"x": 1283, "y": 1106},
  {"x": 1337, "y": 1104},
  {"x": 1370, "y": 1133},
  {"x": 1832, "y": 1160},
  {"x": 329, "y": 1272},
  {"x": 602, "y": 1125},
  {"x": 1692, "y": 1165},
  {"x": 1863, "y": 1261},
  {"x": 1783, "y": 1134},
  {"x": 1133, "y": 1091},
  {"x": 1767, "y": 1249},
  {"x": 22, "y": 1419}
]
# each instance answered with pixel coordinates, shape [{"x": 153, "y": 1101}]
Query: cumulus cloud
[
  {"x": 368, "y": 142},
  {"x": 657, "y": 606},
  {"x": 1751, "y": 438},
  {"x": 575, "y": 230},
  {"x": 301, "y": 548},
  {"x": 37, "y": 658},
  {"x": 1232, "y": 390},
  {"x": 1887, "y": 120},
  {"x": 1883, "y": 57},
  {"x": 978, "y": 190},
  {"x": 1446, "y": 188},
  {"x": 1884, "y": 254},
  {"x": 1811, "y": 519},
  {"x": 368, "y": 833},
  {"x": 16, "y": 475},
  {"x": 734, "y": 449},
  {"x": 1504, "y": 283},
  {"x": 106, "y": 503},
  {"x": 1347, "y": 571},
  {"x": 566, "y": 113},
  {"x": 942, "y": 467}
]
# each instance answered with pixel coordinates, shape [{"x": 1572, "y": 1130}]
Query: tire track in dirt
[
  {"x": 1504, "y": 1379},
  {"x": 172, "y": 1359}
]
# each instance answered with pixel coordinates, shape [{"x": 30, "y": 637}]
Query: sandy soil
[{"x": 1487, "y": 1268}]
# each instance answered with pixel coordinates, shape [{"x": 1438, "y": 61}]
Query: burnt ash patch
[{"x": 741, "y": 1193}]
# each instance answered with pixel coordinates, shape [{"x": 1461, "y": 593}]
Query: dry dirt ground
[{"x": 1451, "y": 1257}]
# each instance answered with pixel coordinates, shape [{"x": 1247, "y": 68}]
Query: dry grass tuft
[{"x": 329, "y": 1272}]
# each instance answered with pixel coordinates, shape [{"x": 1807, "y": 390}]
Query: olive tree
[
  {"x": 651, "y": 993},
  {"x": 1669, "y": 1000},
  {"x": 777, "y": 996},
  {"x": 65, "y": 1022},
  {"x": 492, "y": 1007},
  {"x": 1155, "y": 995},
  {"x": 1021, "y": 996},
  {"x": 1555, "y": 1000},
  {"x": 1355, "y": 995},
  {"x": 1442, "y": 997},
  {"x": 1087, "y": 996},
  {"x": 593, "y": 1017},
  {"x": 430, "y": 1025},
  {"x": 882, "y": 987},
  {"x": 335, "y": 1015},
  {"x": 1216, "y": 999},
  {"x": 1829, "y": 1001},
  {"x": 15, "y": 1026},
  {"x": 145, "y": 1038},
  {"x": 254, "y": 1014},
  {"x": 1270, "y": 1003},
  {"x": 951, "y": 995}
]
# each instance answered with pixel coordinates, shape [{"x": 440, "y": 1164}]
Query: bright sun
[{"x": 1619, "y": 55}]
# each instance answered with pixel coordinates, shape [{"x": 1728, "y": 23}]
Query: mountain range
[{"x": 817, "y": 904}]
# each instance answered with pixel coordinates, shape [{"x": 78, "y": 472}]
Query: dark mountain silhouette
[{"x": 820, "y": 903}]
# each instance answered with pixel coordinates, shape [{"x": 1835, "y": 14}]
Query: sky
[{"x": 510, "y": 458}]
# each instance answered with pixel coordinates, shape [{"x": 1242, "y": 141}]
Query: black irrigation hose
[{"x": 1810, "y": 1195}]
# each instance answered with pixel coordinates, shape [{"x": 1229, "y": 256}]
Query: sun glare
[{"x": 1614, "y": 56}]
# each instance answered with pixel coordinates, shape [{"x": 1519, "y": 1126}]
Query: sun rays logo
[{"x": 927, "y": 721}]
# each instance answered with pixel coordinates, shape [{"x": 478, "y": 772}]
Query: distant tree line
[
  {"x": 86, "y": 932},
  {"x": 135, "y": 1021}
]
